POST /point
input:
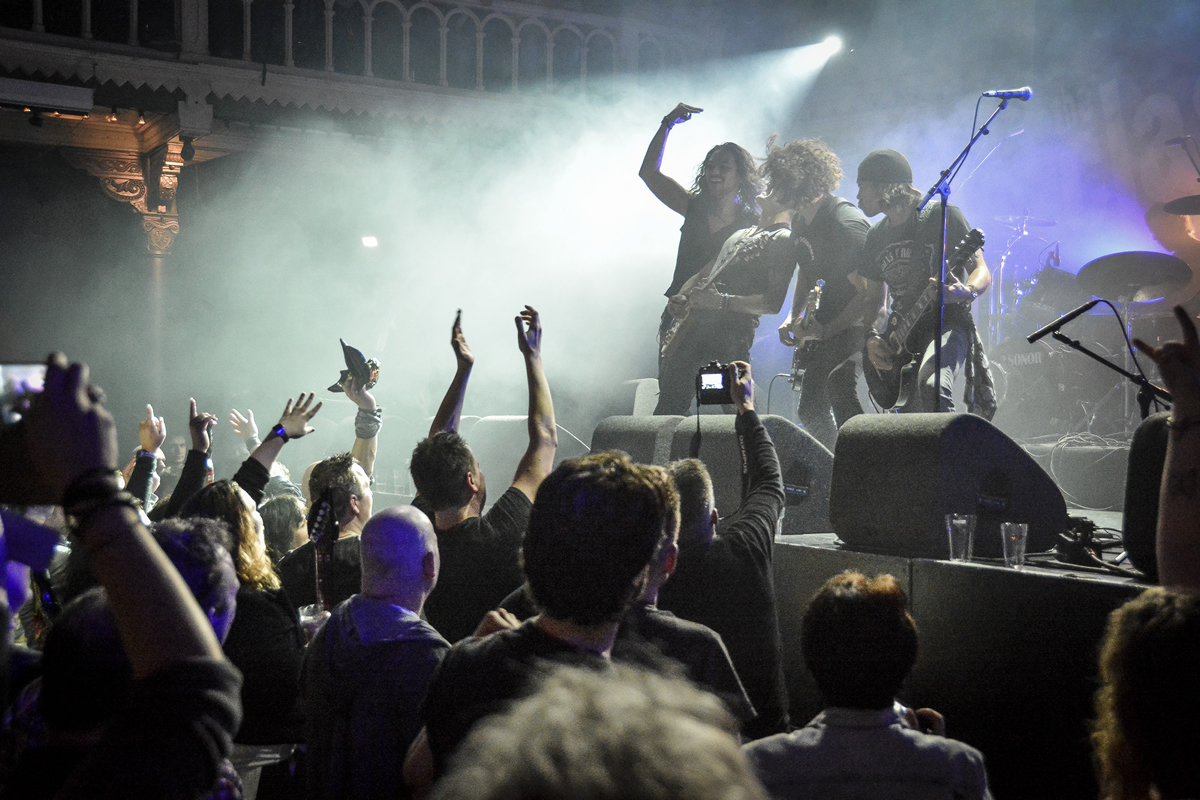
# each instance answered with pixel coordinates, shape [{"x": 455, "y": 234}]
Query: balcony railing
[{"x": 476, "y": 46}]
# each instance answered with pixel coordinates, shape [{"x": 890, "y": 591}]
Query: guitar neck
[{"x": 966, "y": 248}]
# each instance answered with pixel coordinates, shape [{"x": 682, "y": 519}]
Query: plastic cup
[
  {"x": 960, "y": 529},
  {"x": 1013, "y": 535}
]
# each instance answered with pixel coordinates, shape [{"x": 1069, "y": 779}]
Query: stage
[{"x": 1009, "y": 657}]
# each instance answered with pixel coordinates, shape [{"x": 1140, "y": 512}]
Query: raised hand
[
  {"x": 1179, "y": 365},
  {"x": 458, "y": 342},
  {"x": 296, "y": 416},
  {"x": 200, "y": 424},
  {"x": 244, "y": 427},
  {"x": 529, "y": 332},
  {"x": 152, "y": 431},
  {"x": 361, "y": 397},
  {"x": 741, "y": 385},
  {"x": 70, "y": 432},
  {"x": 681, "y": 113}
]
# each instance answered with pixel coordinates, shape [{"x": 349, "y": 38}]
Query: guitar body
[
  {"x": 675, "y": 333},
  {"x": 892, "y": 388},
  {"x": 806, "y": 347}
]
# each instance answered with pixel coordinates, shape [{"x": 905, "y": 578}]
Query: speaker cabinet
[
  {"x": 646, "y": 439},
  {"x": 896, "y": 476},
  {"x": 1147, "y": 457},
  {"x": 807, "y": 467}
]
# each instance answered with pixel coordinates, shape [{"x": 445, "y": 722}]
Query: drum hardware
[
  {"x": 1184, "y": 206},
  {"x": 1002, "y": 305}
]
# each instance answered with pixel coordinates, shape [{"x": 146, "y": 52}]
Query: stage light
[
  {"x": 370, "y": 241},
  {"x": 832, "y": 44},
  {"x": 111, "y": 116}
]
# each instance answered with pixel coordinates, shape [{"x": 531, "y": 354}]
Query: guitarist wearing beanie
[{"x": 901, "y": 252}]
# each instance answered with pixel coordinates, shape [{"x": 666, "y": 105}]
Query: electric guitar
[
  {"x": 323, "y": 532},
  {"x": 681, "y": 325},
  {"x": 892, "y": 387},
  {"x": 806, "y": 346}
]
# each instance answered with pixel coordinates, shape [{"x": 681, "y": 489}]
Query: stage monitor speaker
[
  {"x": 806, "y": 464},
  {"x": 896, "y": 476},
  {"x": 1147, "y": 456},
  {"x": 646, "y": 439}
]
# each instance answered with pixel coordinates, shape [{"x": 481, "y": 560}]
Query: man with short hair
[
  {"x": 724, "y": 577},
  {"x": 597, "y": 523},
  {"x": 366, "y": 671},
  {"x": 480, "y": 551},
  {"x": 860, "y": 643},
  {"x": 344, "y": 480}
]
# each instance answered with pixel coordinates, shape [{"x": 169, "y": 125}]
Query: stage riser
[{"x": 1009, "y": 657}]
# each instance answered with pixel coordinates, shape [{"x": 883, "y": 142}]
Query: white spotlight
[
  {"x": 832, "y": 44},
  {"x": 370, "y": 241}
]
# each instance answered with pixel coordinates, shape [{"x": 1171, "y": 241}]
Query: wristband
[
  {"x": 368, "y": 423},
  {"x": 669, "y": 121},
  {"x": 253, "y": 441},
  {"x": 279, "y": 432},
  {"x": 145, "y": 453},
  {"x": 974, "y": 292}
]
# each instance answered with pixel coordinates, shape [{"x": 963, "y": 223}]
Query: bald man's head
[{"x": 399, "y": 553}]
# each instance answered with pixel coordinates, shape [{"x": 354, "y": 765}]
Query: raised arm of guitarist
[
  {"x": 450, "y": 411},
  {"x": 538, "y": 460},
  {"x": 666, "y": 189}
]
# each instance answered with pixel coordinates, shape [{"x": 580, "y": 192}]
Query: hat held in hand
[{"x": 364, "y": 371}]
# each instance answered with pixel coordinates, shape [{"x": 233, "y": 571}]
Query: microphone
[
  {"x": 1058, "y": 323},
  {"x": 1176, "y": 140},
  {"x": 1024, "y": 93}
]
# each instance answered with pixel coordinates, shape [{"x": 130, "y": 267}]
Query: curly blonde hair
[
  {"x": 802, "y": 171},
  {"x": 1145, "y": 736},
  {"x": 222, "y": 501}
]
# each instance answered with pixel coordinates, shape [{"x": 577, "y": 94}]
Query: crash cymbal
[
  {"x": 1136, "y": 275},
  {"x": 1184, "y": 206},
  {"x": 1029, "y": 222}
]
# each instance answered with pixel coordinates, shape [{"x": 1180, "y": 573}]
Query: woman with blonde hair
[{"x": 265, "y": 641}]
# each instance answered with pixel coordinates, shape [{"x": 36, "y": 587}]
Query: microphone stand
[
  {"x": 1147, "y": 390},
  {"x": 942, "y": 188}
]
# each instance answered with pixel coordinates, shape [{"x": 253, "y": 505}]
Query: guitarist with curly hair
[
  {"x": 900, "y": 252},
  {"x": 825, "y": 324}
]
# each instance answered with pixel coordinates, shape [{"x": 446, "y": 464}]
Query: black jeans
[
  {"x": 716, "y": 336},
  {"x": 829, "y": 389}
]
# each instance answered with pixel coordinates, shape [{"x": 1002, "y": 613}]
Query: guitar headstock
[
  {"x": 967, "y": 247},
  {"x": 323, "y": 526}
]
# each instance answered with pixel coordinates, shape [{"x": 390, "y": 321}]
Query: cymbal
[
  {"x": 1136, "y": 275},
  {"x": 1184, "y": 205},
  {"x": 1030, "y": 222}
]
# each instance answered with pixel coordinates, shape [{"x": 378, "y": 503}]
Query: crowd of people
[{"x": 598, "y": 631}]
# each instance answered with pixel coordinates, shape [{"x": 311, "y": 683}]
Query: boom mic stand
[{"x": 942, "y": 188}]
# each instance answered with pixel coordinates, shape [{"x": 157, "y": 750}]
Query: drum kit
[{"x": 1049, "y": 387}]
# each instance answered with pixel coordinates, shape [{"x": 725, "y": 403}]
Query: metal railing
[{"x": 480, "y": 46}]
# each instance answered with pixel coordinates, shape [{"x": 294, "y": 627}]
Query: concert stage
[{"x": 1009, "y": 657}]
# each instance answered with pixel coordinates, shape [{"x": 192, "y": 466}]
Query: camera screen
[
  {"x": 17, "y": 379},
  {"x": 712, "y": 380}
]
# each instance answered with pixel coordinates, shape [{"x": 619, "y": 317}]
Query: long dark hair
[{"x": 749, "y": 183}]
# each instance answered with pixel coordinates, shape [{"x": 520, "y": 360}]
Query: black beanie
[{"x": 885, "y": 166}]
